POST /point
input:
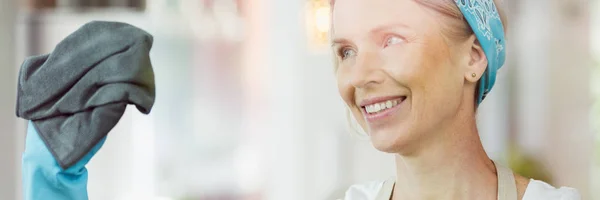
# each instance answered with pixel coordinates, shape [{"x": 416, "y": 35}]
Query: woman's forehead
[{"x": 352, "y": 16}]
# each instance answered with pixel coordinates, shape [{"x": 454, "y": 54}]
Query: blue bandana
[{"x": 484, "y": 19}]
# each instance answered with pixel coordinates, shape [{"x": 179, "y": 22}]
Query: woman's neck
[{"x": 455, "y": 166}]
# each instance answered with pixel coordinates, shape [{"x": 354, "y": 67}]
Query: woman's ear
[{"x": 477, "y": 61}]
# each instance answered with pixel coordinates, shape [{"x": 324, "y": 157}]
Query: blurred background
[{"x": 247, "y": 105}]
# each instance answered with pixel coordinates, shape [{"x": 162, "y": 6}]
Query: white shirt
[{"x": 536, "y": 190}]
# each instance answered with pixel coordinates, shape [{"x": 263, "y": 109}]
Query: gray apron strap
[{"x": 507, "y": 188}]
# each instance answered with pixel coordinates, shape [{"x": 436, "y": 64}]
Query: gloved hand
[
  {"x": 44, "y": 179},
  {"x": 74, "y": 96}
]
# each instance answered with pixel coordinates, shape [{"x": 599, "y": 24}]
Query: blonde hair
[
  {"x": 455, "y": 28},
  {"x": 458, "y": 27}
]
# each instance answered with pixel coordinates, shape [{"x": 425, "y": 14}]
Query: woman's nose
[{"x": 367, "y": 70}]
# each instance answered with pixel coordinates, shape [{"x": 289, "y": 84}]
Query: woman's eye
[
  {"x": 346, "y": 53},
  {"x": 393, "y": 40}
]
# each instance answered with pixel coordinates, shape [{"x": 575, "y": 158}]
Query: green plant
[{"x": 526, "y": 165}]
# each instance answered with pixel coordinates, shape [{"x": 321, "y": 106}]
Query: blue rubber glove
[{"x": 44, "y": 179}]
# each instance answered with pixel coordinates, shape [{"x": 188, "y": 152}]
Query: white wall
[
  {"x": 283, "y": 49},
  {"x": 9, "y": 137}
]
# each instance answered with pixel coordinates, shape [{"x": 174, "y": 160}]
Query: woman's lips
[{"x": 380, "y": 110}]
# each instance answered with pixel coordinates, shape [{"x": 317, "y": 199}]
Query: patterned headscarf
[{"x": 484, "y": 19}]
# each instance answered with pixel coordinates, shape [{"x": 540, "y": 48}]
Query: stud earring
[{"x": 473, "y": 75}]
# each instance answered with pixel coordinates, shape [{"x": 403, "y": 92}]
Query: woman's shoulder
[{"x": 542, "y": 190}]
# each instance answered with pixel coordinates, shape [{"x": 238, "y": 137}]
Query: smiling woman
[{"x": 412, "y": 73}]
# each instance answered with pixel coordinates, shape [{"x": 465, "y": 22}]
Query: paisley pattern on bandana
[
  {"x": 483, "y": 10},
  {"x": 484, "y": 19}
]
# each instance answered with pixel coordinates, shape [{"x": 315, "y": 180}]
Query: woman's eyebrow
[
  {"x": 338, "y": 41},
  {"x": 382, "y": 28},
  {"x": 374, "y": 31}
]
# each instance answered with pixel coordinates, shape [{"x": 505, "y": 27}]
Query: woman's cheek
[
  {"x": 344, "y": 87},
  {"x": 402, "y": 65}
]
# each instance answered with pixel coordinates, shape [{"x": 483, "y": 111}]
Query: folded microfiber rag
[{"x": 75, "y": 95}]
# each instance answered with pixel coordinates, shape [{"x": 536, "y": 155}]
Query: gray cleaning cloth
[{"x": 75, "y": 95}]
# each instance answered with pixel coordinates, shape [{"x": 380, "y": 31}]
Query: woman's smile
[{"x": 379, "y": 110}]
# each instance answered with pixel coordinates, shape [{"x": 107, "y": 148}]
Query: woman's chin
[{"x": 388, "y": 142}]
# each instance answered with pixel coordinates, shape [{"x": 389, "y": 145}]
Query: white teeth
[{"x": 373, "y": 108}]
